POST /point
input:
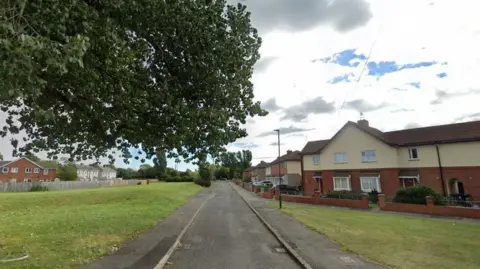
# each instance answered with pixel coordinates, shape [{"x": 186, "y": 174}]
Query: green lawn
[
  {"x": 65, "y": 228},
  {"x": 394, "y": 240}
]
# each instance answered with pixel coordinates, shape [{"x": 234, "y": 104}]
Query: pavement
[
  {"x": 148, "y": 249},
  {"x": 315, "y": 249},
  {"x": 227, "y": 234}
]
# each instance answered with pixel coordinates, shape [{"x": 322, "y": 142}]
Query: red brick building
[
  {"x": 361, "y": 158},
  {"x": 25, "y": 170}
]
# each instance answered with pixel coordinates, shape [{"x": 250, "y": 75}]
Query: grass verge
[
  {"x": 61, "y": 229},
  {"x": 395, "y": 240}
]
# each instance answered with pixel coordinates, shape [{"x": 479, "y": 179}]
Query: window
[
  {"x": 36, "y": 170},
  {"x": 5, "y": 170},
  {"x": 369, "y": 156},
  {"x": 315, "y": 159},
  {"x": 28, "y": 170},
  {"x": 27, "y": 180},
  {"x": 340, "y": 157},
  {"x": 413, "y": 154},
  {"x": 14, "y": 170},
  {"x": 369, "y": 184},
  {"x": 45, "y": 171},
  {"x": 341, "y": 183}
]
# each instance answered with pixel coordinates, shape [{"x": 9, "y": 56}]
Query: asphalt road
[{"x": 227, "y": 235}]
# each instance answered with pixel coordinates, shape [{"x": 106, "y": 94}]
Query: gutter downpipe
[
  {"x": 441, "y": 170},
  {"x": 301, "y": 171}
]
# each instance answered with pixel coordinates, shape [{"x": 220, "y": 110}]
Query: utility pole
[{"x": 279, "y": 177}]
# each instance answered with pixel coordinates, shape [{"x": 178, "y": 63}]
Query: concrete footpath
[
  {"x": 316, "y": 249},
  {"x": 145, "y": 251}
]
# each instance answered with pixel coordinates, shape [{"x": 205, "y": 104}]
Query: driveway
[{"x": 227, "y": 234}]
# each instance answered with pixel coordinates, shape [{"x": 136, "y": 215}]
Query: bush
[
  {"x": 373, "y": 197},
  {"x": 350, "y": 195},
  {"x": 203, "y": 183},
  {"x": 417, "y": 194},
  {"x": 39, "y": 188},
  {"x": 139, "y": 183}
]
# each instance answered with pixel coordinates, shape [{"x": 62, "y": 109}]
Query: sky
[{"x": 402, "y": 63}]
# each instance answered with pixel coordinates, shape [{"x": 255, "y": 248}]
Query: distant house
[
  {"x": 87, "y": 172},
  {"x": 107, "y": 173},
  {"x": 93, "y": 173},
  {"x": 25, "y": 170},
  {"x": 286, "y": 169},
  {"x": 258, "y": 172}
]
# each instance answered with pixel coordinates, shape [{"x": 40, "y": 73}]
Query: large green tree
[
  {"x": 236, "y": 162},
  {"x": 81, "y": 77}
]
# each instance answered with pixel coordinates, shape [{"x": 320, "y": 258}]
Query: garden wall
[
  {"x": 429, "y": 209},
  {"x": 315, "y": 200}
]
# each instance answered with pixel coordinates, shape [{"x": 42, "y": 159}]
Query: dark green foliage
[
  {"x": 236, "y": 162},
  {"x": 39, "y": 188},
  {"x": 373, "y": 196},
  {"x": 139, "y": 183},
  {"x": 417, "y": 194},
  {"x": 82, "y": 77},
  {"x": 67, "y": 172},
  {"x": 203, "y": 183},
  {"x": 349, "y": 195}
]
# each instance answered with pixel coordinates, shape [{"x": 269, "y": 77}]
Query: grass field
[
  {"x": 395, "y": 240},
  {"x": 65, "y": 228}
]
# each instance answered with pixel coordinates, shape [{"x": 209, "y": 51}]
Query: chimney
[
  {"x": 289, "y": 151},
  {"x": 363, "y": 122}
]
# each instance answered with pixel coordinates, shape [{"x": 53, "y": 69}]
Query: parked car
[
  {"x": 264, "y": 182},
  {"x": 285, "y": 189}
]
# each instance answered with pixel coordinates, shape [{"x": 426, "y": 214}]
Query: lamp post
[{"x": 279, "y": 178}]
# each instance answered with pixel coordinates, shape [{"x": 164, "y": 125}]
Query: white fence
[{"x": 63, "y": 185}]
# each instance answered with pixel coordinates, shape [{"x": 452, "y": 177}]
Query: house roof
[
  {"x": 448, "y": 133},
  {"x": 290, "y": 156},
  {"x": 314, "y": 146},
  {"x": 41, "y": 164},
  {"x": 86, "y": 167},
  {"x": 248, "y": 169},
  {"x": 262, "y": 164}
]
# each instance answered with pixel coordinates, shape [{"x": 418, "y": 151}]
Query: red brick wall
[
  {"x": 275, "y": 167},
  {"x": 267, "y": 195},
  {"x": 470, "y": 176},
  {"x": 21, "y": 164},
  {"x": 389, "y": 181},
  {"x": 363, "y": 203},
  {"x": 430, "y": 209},
  {"x": 309, "y": 183}
]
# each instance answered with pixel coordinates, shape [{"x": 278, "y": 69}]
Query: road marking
[
  {"x": 346, "y": 259},
  {"x": 170, "y": 251}
]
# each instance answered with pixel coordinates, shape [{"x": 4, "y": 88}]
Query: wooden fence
[{"x": 64, "y": 185}]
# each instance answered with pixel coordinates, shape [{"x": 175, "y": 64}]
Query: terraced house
[
  {"x": 25, "y": 170},
  {"x": 287, "y": 167},
  {"x": 258, "y": 172},
  {"x": 361, "y": 158}
]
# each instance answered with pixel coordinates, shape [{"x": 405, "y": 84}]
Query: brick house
[
  {"x": 247, "y": 173},
  {"x": 25, "y": 170},
  {"x": 287, "y": 167},
  {"x": 258, "y": 171},
  {"x": 361, "y": 158}
]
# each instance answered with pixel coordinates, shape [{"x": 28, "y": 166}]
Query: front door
[
  {"x": 408, "y": 182},
  {"x": 461, "y": 190}
]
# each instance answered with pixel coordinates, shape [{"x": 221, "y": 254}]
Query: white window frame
[
  {"x": 315, "y": 159},
  {"x": 410, "y": 158},
  {"x": 28, "y": 170},
  {"x": 345, "y": 160},
  {"x": 13, "y": 180},
  {"x": 5, "y": 169},
  {"x": 377, "y": 179},
  {"x": 364, "y": 152},
  {"x": 14, "y": 170},
  {"x": 45, "y": 171},
  {"x": 349, "y": 187},
  {"x": 27, "y": 180},
  {"x": 36, "y": 170},
  {"x": 416, "y": 180}
]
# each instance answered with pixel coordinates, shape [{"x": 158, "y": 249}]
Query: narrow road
[{"x": 227, "y": 234}]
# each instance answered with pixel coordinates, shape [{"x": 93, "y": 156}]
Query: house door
[
  {"x": 461, "y": 190},
  {"x": 409, "y": 182}
]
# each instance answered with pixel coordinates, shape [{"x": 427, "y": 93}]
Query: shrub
[
  {"x": 39, "y": 188},
  {"x": 350, "y": 195},
  {"x": 373, "y": 197},
  {"x": 139, "y": 183},
  {"x": 417, "y": 194},
  {"x": 203, "y": 183}
]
